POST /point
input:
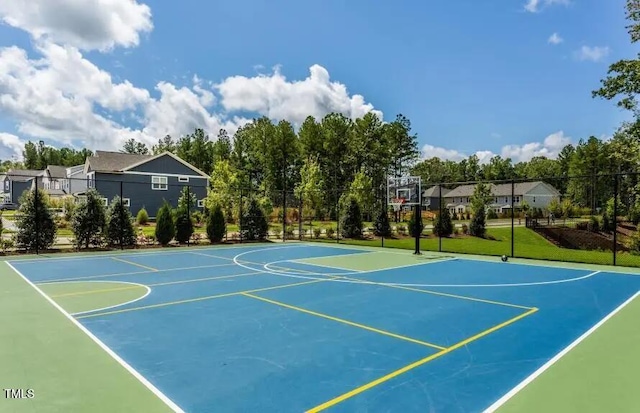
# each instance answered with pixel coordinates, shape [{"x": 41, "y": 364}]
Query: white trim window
[
  {"x": 183, "y": 179},
  {"x": 159, "y": 183},
  {"x": 126, "y": 202},
  {"x": 105, "y": 201},
  {"x": 200, "y": 203}
]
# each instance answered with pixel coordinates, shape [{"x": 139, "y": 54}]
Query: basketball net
[{"x": 397, "y": 203}]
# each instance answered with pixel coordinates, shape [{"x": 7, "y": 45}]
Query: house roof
[
  {"x": 434, "y": 191},
  {"x": 57, "y": 171},
  {"x": 519, "y": 189},
  {"x": 104, "y": 161},
  {"x": 23, "y": 175}
]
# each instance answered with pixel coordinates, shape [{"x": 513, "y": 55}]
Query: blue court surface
[{"x": 267, "y": 328}]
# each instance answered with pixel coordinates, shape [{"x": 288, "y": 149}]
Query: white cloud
[
  {"x": 555, "y": 39},
  {"x": 594, "y": 54},
  {"x": 550, "y": 147},
  {"x": 272, "y": 95},
  {"x": 534, "y": 6},
  {"x": 11, "y": 146},
  {"x": 430, "y": 151},
  {"x": 99, "y": 24}
]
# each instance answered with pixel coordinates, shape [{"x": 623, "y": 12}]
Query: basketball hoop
[{"x": 397, "y": 203}]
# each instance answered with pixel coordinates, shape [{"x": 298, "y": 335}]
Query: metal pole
[
  {"x": 300, "y": 218},
  {"x": 439, "y": 217},
  {"x": 337, "y": 218},
  {"x": 417, "y": 220},
  {"x": 35, "y": 205},
  {"x": 513, "y": 207},
  {"x": 189, "y": 210},
  {"x": 615, "y": 218},
  {"x": 240, "y": 217},
  {"x": 122, "y": 217},
  {"x": 284, "y": 205}
]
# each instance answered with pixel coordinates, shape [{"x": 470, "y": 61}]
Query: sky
[{"x": 502, "y": 77}]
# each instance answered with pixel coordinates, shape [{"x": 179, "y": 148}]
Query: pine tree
[
  {"x": 382, "y": 225},
  {"x": 165, "y": 229},
  {"x": 120, "y": 230},
  {"x": 36, "y": 227},
  {"x": 416, "y": 226},
  {"x": 351, "y": 226},
  {"x": 89, "y": 221},
  {"x": 184, "y": 226},
  {"x": 442, "y": 225},
  {"x": 477, "y": 227},
  {"x": 254, "y": 223},
  {"x": 216, "y": 225}
]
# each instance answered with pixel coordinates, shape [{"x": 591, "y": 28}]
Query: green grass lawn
[{"x": 527, "y": 244}]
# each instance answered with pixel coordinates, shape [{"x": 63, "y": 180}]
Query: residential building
[
  {"x": 76, "y": 181},
  {"x": 431, "y": 197},
  {"x": 55, "y": 182},
  {"x": 144, "y": 180},
  {"x": 16, "y": 181},
  {"x": 536, "y": 194}
]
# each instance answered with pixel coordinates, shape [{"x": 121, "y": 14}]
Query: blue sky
[{"x": 473, "y": 77}]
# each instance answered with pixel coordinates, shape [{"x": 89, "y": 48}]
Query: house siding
[
  {"x": 77, "y": 182},
  {"x": 17, "y": 188},
  {"x": 167, "y": 165},
  {"x": 138, "y": 189},
  {"x": 540, "y": 196}
]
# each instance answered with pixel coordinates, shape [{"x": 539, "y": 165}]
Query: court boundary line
[
  {"x": 346, "y": 322},
  {"x": 73, "y": 294},
  {"x": 172, "y": 405},
  {"x": 524, "y": 383},
  {"x": 418, "y": 363},
  {"x": 134, "y": 263}
]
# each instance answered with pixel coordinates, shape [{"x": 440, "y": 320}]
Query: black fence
[{"x": 586, "y": 219}]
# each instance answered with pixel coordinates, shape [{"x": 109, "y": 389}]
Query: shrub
[
  {"x": 119, "y": 225},
  {"x": 465, "y": 229},
  {"x": 184, "y": 226},
  {"x": 382, "y": 227},
  {"x": 402, "y": 230},
  {"x": 69, "y": 206},
  {"x": 216, "y": 225},
  {"x": 330, "y": 232},
  {"x": 317, "y": 232},
  {"x": 352, "y": 221},
  {"x": 456, "y": 231},
  {"x": 607, "y": 225},
  {"x": 416, "y": 226},
  {"x": 477, "y": 227},
  {"x": 634, "y": 245},
  {"x": 165, "y": 228},
  {"x": 442, "y": 226},
  {"x": 36, "y": 228},
  {"x": 254, "y": 223},
  {"x": 89, "y": 221},
  {"x": 6, "y": 244},
  {"x": 634, "y": 214},
  {"x": 594, "y": 224},
  {"x": 143, "y": 217},
  {"x": 197, "y": 217},
  {"x": 491, "y": 214}
]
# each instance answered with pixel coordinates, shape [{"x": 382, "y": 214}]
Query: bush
[
  {"x": 89, "y": 221},
  {"x": 634, "y": 245},
  {"x": 184, "y": 226},
  {"x": 36, "y": 228},
  {"x": 607, "y": 225},
  {"x": 68, "y": 207},
  {"x": 594, "y": 224},
  {"x": 352, "y": 221},
  {"x": 634, "y": 214},
  {"x": 6, "y": 244},
  {"x": 119, "y": 226},
  {"x": 416, "y": 227},
  {"x": 216, "y": 225},
  {"x": 143, "y": 217},
  {"x": 317, "y": 232},
  {"x": 442, "y": 226},
  {"x": 165, "y": 228},
  {"x": 456, "y": 231},
  {"x": 491, "y": 214},
  {"x": 197, "y": 217},
  {"x": 478, "y": 223},
  {"x": 382, "y": 227},
  {"x": 465, "y": 229},
  {"x": 330, "y": 232},
  {"x": 254, "y": 223}
]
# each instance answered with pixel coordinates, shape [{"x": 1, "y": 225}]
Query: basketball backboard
[{"x": 406, "y": 187}]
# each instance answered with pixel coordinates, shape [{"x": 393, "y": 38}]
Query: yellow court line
[
  {"x": 343, "y": 321},
  {"x": 192, "y": 300},
  {"x": 461, "y": 297},
  {"x": 418, "y": 363},
  {"x": 103, "y": 290},
  {"x": 134, "y": 263}
]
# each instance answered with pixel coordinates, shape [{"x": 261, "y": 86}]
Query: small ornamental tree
[
  {"x": 416, "y": 226},
  {"x": 477, "y": 228},
  {"x": 89, "y": 220},
  {"x": 382, "y": 227},
  {"x": 216, "y": 225},
  {"x": 120, "y": 230},
  {"x": 351, "y": 226},
  {"x": 165, "y": 229},
  {"x": 187, "y": 199},
  {"x": 36, "y": 227},
  {"x": 481, "y": 198},
  {"x": 254, "y": 223},
  {"x": 143, "y": 217},
  {"x": 184, "y": 226},
  {"x": 442, "y": 226}
]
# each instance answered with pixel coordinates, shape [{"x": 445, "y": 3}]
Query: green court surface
[
  {"x": 598, "y": 375},
  {"x": 376, "y": 260},
  {"x": 41, "y": 349}
]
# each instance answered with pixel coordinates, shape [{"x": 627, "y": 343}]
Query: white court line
[
  {"x": 557, "y": 357},
  {"x": 103, "y": 346}
]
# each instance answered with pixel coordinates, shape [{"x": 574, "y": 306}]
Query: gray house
[
  {"x": 144, "y": 180},
  {"x": 16, "y": 181},
  {"x": 431, "y": 198},
  {"x": 55, "y": 182},
  {"x": 536, "y": 194},
  {"x": 76, "y": 180}
]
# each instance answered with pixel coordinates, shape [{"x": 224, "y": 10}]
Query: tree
[
  {"x": 184, "y": 226},
  {"x": 134, "y": 147},
  {"x": 165, "y": 228},
  {"x": 222, "y": 147},
  {"x": 309, "y": 188},
  {"x": 89, "y": 220},
  {"x": 382, "y": 227},
  {"x": 254, "y": 224},
  {"x": 442, "y": 225},
  {"x": 351, "y": 225},
  {"x": 143, "y": 217},
  {"x": 361, "y": 189},
  {"x": 225, "y": 189},
  {"x": 402, "y": 147},
  {"x": 216, "y": 225},
  {"x": 36, "y": 227},
  {"x": 166, "y": 144},
  {"x": 479, "y": 201},
  {"x": 187, "y": 200},
  {"x": 120, "y": 230}
]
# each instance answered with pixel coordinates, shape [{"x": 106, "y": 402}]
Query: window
[
  {"x": 6, "y": 185},
  {"x": 183, "y": 179},
  {"x": 126, "y": 202},
  {"x": 534, "y": 199},
  {"x": 200, "y": 203},
  {"x": 91, "y": 183},
  {"x": 105, "y": 201},
  {"x": 159, "y": 183}
]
